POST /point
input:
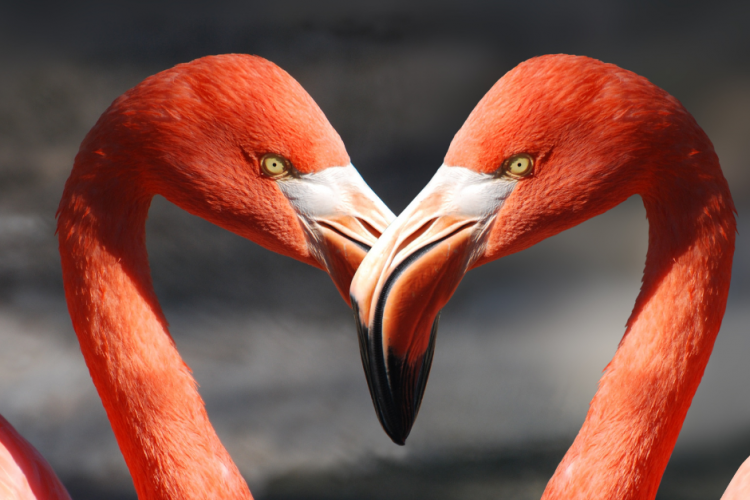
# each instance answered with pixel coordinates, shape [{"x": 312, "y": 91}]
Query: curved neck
[
  {"x": 637, "y": 413},
  {"x": 151, "y": 399}
]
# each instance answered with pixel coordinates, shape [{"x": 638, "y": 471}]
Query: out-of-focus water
[{"x": 521, "y": 345}]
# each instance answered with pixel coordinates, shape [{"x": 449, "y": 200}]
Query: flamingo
[
  {"x": 24, "y": 473},
  {"x": 233, "y": 139},
  {"x": 556, "y": 141}
]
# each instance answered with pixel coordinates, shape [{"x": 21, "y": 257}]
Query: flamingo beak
[
  {"x": 346, "y": 239},
  {"x": 341, "y": 217},
  {"x": 406, "y": 279}
]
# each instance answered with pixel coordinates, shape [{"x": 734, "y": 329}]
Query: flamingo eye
[
  {"x": 274, "y": 165},
  {"x": 519, "y": 165}
]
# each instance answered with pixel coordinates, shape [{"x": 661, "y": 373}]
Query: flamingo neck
[
  {"x": 156, "y": 413},
  {"x": 24, "y": 474},
  {"x": 636, "y": 415}
]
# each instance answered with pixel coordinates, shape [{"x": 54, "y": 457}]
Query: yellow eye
[
  {"x": 274, "y": 165},
  {"x": 519, "y": 165}
]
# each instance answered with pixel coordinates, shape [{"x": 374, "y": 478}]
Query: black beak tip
[
  {"x": 396, "y": 386},
  {"x": 397, "y": 426},
  {"x": 398, "y": 441}
]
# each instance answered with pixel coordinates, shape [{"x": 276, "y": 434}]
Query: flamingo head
[
  {"x": 236, "y": 140},
  {"x": 556, "y": 141}
]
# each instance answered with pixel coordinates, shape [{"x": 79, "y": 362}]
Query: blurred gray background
[{"x": 524, "y": 340}]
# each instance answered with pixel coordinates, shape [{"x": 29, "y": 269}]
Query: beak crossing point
[{"x": 341, "y": 217}]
